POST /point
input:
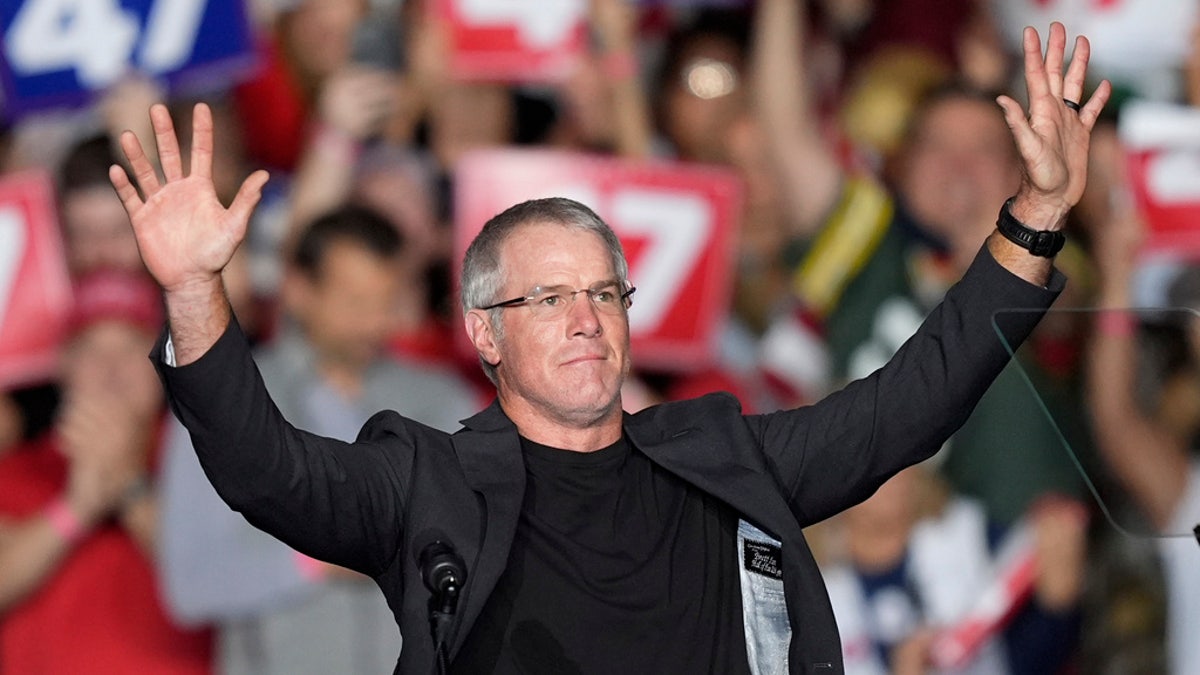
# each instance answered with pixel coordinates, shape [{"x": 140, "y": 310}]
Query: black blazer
[{"x": 374, "y": 504}]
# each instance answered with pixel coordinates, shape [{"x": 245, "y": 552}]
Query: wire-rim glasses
[{"x": 548, "y": 302}]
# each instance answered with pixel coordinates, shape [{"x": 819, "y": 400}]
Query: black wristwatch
[{"x": 1044, "y": 243}]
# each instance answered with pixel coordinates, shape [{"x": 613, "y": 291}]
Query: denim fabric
[{"x": 764, "y": 609}]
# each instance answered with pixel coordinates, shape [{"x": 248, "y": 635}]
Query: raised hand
[
  {"x": 358, "y": 100},
  {"x": 185, "y": 235},
  {"x": 1053, "y": 139}
]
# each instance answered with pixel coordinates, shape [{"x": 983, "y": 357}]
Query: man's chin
[{"x": 585, "y": 411}]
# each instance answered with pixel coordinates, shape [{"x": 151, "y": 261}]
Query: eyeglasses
[{"x": 550, "y": 302}]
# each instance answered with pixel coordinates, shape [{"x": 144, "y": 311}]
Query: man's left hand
[{"x": 1053, "y": 139}]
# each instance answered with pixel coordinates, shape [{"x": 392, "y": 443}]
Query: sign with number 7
[
  {"x": 35, "y": 289},
  {"x": 677, "y": 224}
]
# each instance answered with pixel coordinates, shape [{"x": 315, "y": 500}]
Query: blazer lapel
[{"x": 489, "y": 452}]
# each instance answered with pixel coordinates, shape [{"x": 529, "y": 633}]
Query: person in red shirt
[{"x": 78, "y": 590}]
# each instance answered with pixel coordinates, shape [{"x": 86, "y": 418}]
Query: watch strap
[{"x": 1043, "y": 243}]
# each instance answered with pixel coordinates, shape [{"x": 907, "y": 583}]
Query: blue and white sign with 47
[{"x": 63, "y": 52}]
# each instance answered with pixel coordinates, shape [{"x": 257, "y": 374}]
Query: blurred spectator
[
  {"x": 917, "y": 561},
  {"x": 78, "y": 506},
  {"x": 95, "y": 228},
  {"x": 871, "y": 256},
  {"x": 466, "y": 116},
  {"x": 1149, "y": 443},
  {"x": 278, "y": 611},
  {"x": 894, "y": 51},
  {"x": 702, "y": 114},
  {"x": 353, "y": 105},
  {"x": 602, "y": 106},
  {"x": 789, "y": 103},
  {"x": 306, "y": 41},
  {"x": 1142, "y": 393},
  {"x": 701, "y": 85},
  {"x": 399, "y": 183},
  {"x": 938, "y": 225}
]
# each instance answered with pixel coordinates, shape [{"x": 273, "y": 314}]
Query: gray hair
[{"x": 482, "y": 272}]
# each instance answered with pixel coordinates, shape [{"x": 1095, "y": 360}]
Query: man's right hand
[{"x": 185, "y": 235}]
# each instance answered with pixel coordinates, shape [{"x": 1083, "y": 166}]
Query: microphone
[{"x": 444, "y": 572}]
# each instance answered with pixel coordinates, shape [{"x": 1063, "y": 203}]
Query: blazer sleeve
[
  {"x": 214, "y": 565},
  {"x": 837, "y": 452},
  {"x": 330, "y": 500}
]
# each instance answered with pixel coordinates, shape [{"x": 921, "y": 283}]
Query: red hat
[{"x": 112, "y": 295}]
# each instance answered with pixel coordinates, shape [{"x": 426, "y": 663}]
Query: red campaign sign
[
  {"x": 677, "y": 224},
  {"x": 35, "y": 289},
  {"x": 1162, "y": 144},
  {"x": 1166, "y": 187},
  {"x": 514, "y": 40}
]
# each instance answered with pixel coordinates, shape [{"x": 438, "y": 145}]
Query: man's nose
[{"x": 582, "y": 314}]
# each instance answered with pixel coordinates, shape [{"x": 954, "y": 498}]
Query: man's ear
[{"x": 479, "y": 329}]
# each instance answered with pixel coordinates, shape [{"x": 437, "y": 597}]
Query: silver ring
[{"x": 1073, "y": 105}]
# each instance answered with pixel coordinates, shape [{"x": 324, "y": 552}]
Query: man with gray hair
[{"x": 555, "y": 532}]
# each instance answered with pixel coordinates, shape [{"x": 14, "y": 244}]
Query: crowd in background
[{"x": 872, "y": 159}]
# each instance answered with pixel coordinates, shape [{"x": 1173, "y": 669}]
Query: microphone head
[{"x": 442, "y": 568}]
